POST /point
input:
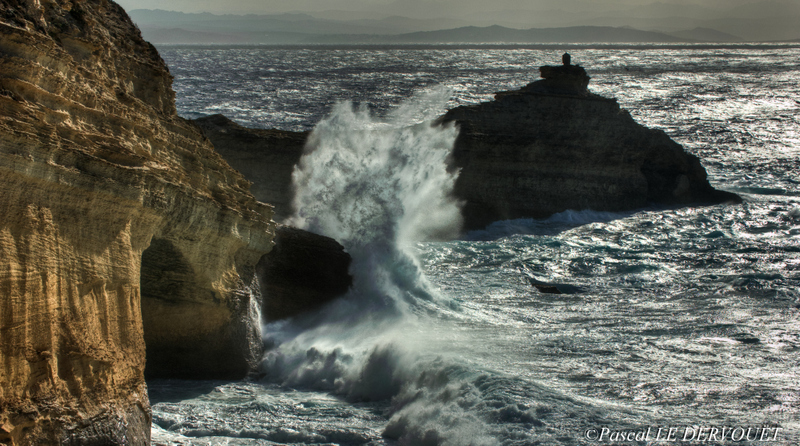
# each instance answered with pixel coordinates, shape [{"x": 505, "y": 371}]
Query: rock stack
[{"x": 553, "y": 146}]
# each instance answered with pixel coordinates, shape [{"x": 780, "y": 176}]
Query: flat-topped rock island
[{"x": 553, "y": 145}]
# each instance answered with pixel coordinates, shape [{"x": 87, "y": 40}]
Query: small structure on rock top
[
  {"x": 566, "y": 79},
  {"x": 553, "y": 145}
]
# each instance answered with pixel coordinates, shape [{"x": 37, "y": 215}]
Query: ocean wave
[{"x": 552, "y": 225}]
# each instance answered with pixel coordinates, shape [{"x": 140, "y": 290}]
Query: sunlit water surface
[{"x": 677, "y": 317}]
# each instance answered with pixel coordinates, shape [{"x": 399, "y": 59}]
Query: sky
[
  {"x": 749, "y": 20},
  {"x": 414, "y": 8}
]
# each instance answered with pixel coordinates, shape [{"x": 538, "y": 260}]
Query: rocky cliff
[
  {"x": 119, "y": 227},
  {"x": 304, "y": 271},
  {"x": 265, "y": 157},
  {"x": 553, "y": 146}
]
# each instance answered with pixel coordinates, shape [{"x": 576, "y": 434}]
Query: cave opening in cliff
[
  {"x": 175, "y": 320},
  {"x": 165, "y": 282},
  {"x": 187, "y": 333},
  {"x": 165, "y": 272}
]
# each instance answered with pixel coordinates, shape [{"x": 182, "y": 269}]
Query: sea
[{"x": 673, "y": 326}]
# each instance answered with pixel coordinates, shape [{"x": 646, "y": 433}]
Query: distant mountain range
[
  {"x": 291, "y": 23},
  {"x": 501, "y": 34},
  {"x": 167, "y": 27}
]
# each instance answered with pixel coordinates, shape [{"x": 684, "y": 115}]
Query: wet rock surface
[{"x": 303, "y": 272}]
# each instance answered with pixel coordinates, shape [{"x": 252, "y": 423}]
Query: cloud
[{"x": 752, "y": 20}]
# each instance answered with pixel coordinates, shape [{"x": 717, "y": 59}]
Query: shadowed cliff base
[{"x": 184, "y": 322}]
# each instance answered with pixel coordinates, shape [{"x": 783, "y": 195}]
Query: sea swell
[{"x": 686, "y": 316}]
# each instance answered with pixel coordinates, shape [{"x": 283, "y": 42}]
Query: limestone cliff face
[
  {"x": 119, "y": 227},
  {"x": 553, "y": 146}
]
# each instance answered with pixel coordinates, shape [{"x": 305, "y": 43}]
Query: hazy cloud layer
[
  {"x": 446, "y": 8},
  {"x": 750, "y": 20}
]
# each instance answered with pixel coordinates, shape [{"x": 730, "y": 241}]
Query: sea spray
[{"x": 378, "y": 186}]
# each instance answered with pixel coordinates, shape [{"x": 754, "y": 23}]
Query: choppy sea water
[{"x": 675, "y": 318}]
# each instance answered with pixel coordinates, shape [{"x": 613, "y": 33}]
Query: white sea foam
[
  {"x": 377, "y": 186},
  {"x": 432, "y": 399}
]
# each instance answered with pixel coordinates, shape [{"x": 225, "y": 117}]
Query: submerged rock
[
  {"x": 121, "y": 227},
  {"x": 554, "y": 288},
  {"x": 553, "y": 146}
]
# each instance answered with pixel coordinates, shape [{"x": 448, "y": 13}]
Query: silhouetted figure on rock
[{"x": 566, "y": 59}]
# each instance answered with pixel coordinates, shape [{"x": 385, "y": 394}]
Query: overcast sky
[
  {"x": 445, "y": 8},
  {"x": 748, "y": 20}
]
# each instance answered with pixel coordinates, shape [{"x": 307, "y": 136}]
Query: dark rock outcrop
[
  {"x": 304, "y": 271},
  {"x": 120, "y": 228},
  {"x": 265, "y": 157},
  {"x": 554, "y": 288},
  {"x": 553, "y": 146}
]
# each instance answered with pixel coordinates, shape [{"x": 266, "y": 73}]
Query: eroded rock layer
[
  {"x": 265, "y": 157},
  {"x": 553, "y": 146},
  {"x": 95, "y": 170}
]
